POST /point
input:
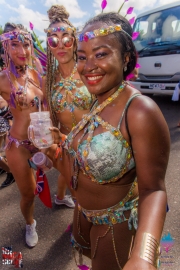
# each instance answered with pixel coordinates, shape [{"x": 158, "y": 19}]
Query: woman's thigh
[
  {"x": 81, "y": 231},
  {"x": 18, "y": 162},
  {"x": 110, "y": 246}
]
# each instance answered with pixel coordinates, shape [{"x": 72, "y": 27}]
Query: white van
[{"x": 158, "y": 47}]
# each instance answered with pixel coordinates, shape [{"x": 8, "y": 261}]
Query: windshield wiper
[
  {"x": 160, "y": 43},
  {"x": 149, "y": 45}
]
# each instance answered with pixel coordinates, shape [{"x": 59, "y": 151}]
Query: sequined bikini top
[
  {"x": 81, "y": 99},
  {"x": 18, "y": 97},
  {"x": 72, "y": 96},
  {"x": 109, "y": 155}
]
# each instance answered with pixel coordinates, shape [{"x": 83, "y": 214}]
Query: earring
[{"x": 125, "y": 68}]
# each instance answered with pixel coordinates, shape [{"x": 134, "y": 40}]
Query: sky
[{"x": 35, "y": 11}]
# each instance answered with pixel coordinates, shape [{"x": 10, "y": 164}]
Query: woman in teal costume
[{"x": 119, "y": 154}]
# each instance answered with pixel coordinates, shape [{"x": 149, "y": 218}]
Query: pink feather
[
  {"x": 31, "y": 25},
  {"x": 131, "y": 21},
  {"x": 130, "y": 76},
  {"x": 138, "y": 65},
  {"x": 130, "y": 10},
  {"x": 135, "y": 35},
  {"x": 103, "y": 4}
]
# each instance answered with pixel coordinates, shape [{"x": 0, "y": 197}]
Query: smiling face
[
  {"x": 64, "y": 51},
  {"x": 100, "y": 63},
  {"x": 19, "y": 52}
]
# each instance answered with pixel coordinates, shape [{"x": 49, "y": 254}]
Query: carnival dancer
[
  {"x": 1, "y": 58},
  {"x": 68, "y": 99},
  {"x": 5, "y": 124},
  {"x": 20, "y": 87},
  {"x": 119, "y": 152}
]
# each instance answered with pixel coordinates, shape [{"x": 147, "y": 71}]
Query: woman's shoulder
[
  {"x": 36, "y": 76},
  {"x": 142, "y": 110},
  {"x": 3, "y": 74},
  {"x": 3, "y": 80},
  {"x": 34, "y": 73},
  {"x": 139, "y": 101}
]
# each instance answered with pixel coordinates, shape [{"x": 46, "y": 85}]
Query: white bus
[{"x": 158, "y": 47}]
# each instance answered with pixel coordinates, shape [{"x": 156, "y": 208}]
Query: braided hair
[
  {"x": 57, "y": 13},
  {"x": 8, "y": 28},
  {"x": 125, "y": 41}
]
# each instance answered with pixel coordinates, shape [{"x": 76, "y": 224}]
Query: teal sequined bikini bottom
[{"x": 110, "y": 217}]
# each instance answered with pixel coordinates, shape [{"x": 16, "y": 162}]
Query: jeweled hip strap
[{"x": 109, "y": 216}]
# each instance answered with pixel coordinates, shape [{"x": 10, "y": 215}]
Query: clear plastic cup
[
  {"x": 38, "y": 131},
  {"x": 42, "y": 161}
]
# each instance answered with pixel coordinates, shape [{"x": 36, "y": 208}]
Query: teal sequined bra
[
  {"x": 108, "y": 160},
  {"x": 109, "y": 155}
]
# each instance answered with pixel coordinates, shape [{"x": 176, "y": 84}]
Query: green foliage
[
  {"x": 38, "y": 42},
  {"x": 1, "y": 30}
]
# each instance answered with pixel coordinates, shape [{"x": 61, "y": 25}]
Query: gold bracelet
[{"x": 150, "y": 249}]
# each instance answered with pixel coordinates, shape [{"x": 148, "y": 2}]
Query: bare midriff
[
  {"x": 21, "y": 117},
  {"x": 93, "y": 196}
]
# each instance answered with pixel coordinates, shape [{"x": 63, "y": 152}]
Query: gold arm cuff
[{"x": 150, "y": 250}]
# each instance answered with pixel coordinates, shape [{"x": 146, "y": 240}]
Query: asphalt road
[{"x": 53, "y": 251}]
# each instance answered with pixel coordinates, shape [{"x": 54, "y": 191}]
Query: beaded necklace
[
  {"x": 68, "y": 84},
  {"x": 19, "y": 91},
  {"x": 94, "y": 121},
  {"x": 18, "y": 95}
]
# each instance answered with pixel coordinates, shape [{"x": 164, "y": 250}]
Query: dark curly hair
[{"x": 125, "y": 40}]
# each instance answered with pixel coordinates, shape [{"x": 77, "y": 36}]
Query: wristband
[
  {"x": 150, "y": 249},
  {"x": 60, "y": 146},
  {"x": 63, "y": 138}
]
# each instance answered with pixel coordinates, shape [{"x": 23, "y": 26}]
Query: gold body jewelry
[{"x": 150, "y": 249}]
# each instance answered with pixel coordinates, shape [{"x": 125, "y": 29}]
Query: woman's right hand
[{"x": 57, "y": 135}]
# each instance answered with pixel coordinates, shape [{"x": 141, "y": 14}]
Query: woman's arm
[
  {"x": 64, "y": 161},
  {"x": 5, "y": 87},
  {"x": 151, "y": 146}
]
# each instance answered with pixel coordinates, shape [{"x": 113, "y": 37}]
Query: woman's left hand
[{"x": 57, "y": 135}]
